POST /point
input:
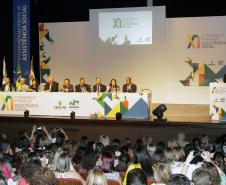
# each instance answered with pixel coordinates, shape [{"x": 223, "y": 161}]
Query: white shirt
[{"x": 7, "y": 88}]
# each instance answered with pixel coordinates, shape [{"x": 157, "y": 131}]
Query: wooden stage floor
[{"x": 133, "y": 128}]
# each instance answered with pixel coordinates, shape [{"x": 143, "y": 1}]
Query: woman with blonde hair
[
  {"x": 172, "y": 143},
  {"x": 96, "y": 177},
  {"x": 64, "y": 169},
  {"x": 178, "y": 160},
  {"x": 162, "y": 172}
]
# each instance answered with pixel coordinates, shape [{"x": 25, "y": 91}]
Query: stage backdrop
[
  {"x": 175, "y": 58},
  {"x": 75, "y": 49},
  {"x": 195, "y": 57}
]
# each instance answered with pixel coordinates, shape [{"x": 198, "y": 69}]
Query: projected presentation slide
[{"x": 126, "y": 28}]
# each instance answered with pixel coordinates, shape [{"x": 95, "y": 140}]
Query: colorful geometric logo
[
  {"x": 7, "y": 103},
  {"x": 193, "y": 41},
  {"x": 201, "y": 74},
  {"x": 112, "y": 104},
  {"x": 221, "y": 114},
  {"x": 44, "y": 35},
  {"x": 120, "y": 106}
]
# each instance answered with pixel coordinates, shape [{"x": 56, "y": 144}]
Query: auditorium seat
[
  {"x": 151, "y": 181},
  {"x": 122, "y": 175},
  {"x": 68, "y": 181},
  {"x": 84, "y": 175},
  {"x": 112, "y": 182}
]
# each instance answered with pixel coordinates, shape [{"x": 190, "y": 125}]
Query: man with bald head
[{"x": 51, "y": 85}]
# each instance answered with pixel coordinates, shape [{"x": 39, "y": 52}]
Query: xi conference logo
[
  {"x": 117, "y": 23},
  {"x": 193, "y": 41},
  {"x": 212, "y": 40},
  {"x": 7, "y": 103}
]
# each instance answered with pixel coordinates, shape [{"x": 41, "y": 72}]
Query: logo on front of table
[
  {"x": 74, "y": 104},
  {"x": 7, "y": 103},
  {"x": 59, "y": 106}
]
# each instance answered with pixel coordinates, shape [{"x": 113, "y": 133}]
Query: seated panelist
[
  {"x": 21, "y": 86},
  {"x": 34, "y": 87},
  {"x": 99, "y": 87},
  {"x": 67, "y": 86},
  {"x": 113, "y": 87},
  {"x": 82, "y": 86},
  {"x": 7, "y": 86},
  {"x": 129, "y": 86},
  {"x": 51, "y": 85}
]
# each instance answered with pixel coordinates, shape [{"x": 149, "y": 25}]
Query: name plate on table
[
  {"x": 104, "y": 105},
  {"x": 218, "y": 101}
]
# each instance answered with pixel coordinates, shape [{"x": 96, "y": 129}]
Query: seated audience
[
  {"x": 123, "y": 162},
  {"x": 181, "y": 140},
  {"x": 144, "y": 160},
  {"x": 129, "y": 86},
  {"x": 135, "y": 176},
  {"x": 96, "y": 177},
  {"x": 27, "y": 171},
  {"x": 23, "y": 160},
  {"x": 7, "y": 86},
  {"x": 113, "y": 87},
  {"x": 88, "y": 162},
  {"x": 40, "y": 138},
  {"x": 201, "y": 177},
  {"x": 82, "y": 86},
  {"x": 105, "y": 140},
  {"x": 162, "y": 172},
  {"x": 178, "y": 160},
  {"x": 51, "y": 85},
  {"x": 179, "y": 179},
  {"x": 219, "y": 160},
  {"x": 107, "y": 165},
  {"x": 64, "y": 170},
  {"x": 67, "y": 86},
  {"x": 42, "y": 176},
  {"x": 99, "y": 87}
]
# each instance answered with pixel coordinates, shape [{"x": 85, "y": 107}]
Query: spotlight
[
  {"x": 26, "y": 113},
  {"x": 158, "y": 112},
  {"x": 118, "y": 116},
  {"x": 72, "y": 115}
]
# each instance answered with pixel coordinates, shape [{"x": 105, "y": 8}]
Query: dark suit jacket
[
  {"x": 54, "y": 87},
  {"x": 102, "y": 88},
  {"x": 10, "y": 87},
  {"x": 133, "y": 88},
  {"x": 70, "y": 88},
  {"x": 87, "y": 87}
]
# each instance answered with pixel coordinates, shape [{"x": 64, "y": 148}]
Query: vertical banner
[{"x": 21, "y": 39}]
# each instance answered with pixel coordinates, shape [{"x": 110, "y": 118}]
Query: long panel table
[{"x": 102, "y": 105}]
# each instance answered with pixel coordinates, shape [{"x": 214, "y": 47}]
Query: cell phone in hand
[{"x": 39, "y": 128}]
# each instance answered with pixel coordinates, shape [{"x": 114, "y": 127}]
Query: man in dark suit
[
  {"x": 7, "y": 86},
  {"x": 67, "y": 86},
  {"x": 82, "y": 86},
  {"x": 129, "y": 86},
  {"x": 51, "y": 85},
  {"x": 99, "y": 87}
]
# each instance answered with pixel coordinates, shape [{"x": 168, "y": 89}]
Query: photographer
[{"x": 40, "y": 138}]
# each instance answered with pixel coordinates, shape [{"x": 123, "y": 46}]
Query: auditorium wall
[{"x": 185, "y": 55}]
